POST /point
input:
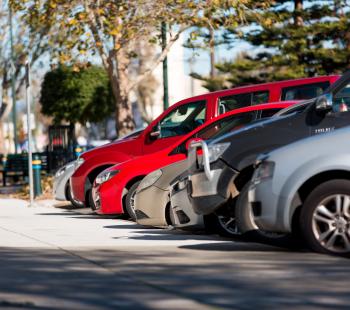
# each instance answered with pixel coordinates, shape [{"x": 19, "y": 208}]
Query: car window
[
  {"x": 306, "y": 91},
  {"x": 268, "y": 112},
  {"x": 183, "y": 119},
  {"x": 229, "y": 103},
  {"x": 296, "y": 108},
  {"x": 341, "y": 101},
  {"x": 260, "y": 97},
  {"x": 221, "y": 127}
]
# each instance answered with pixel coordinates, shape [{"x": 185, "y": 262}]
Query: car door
[
  {"x": 337, "y": 117},
  {"x": 178, "y": 122}
]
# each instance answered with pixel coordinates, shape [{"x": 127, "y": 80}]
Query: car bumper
[
  {"x": 60, "y": 182},
  {"x": 150, "y": 206},
  {"x": 107, "y": 198},
  {"x": 207, "y": 195},
  {"x": 264, "y": 202},
  {"x": 181, "y": 208}
]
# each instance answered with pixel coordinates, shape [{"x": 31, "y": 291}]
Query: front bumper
[
  {"x": 150, "y": 206},
  {"x": 264, "y": 203},
  {"x": 60, "y": 182},
  {"x": 107, "y": 198},
  {"x": 181, "y": 207},
  {"x": 207, "y": 195}
]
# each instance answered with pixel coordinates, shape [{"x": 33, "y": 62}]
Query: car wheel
[
  {"x": 130, "y": 201},
  {"x": 325, "y": 218},
  {"x": 89, "y": 201},
  {"x": 69, "y": 197},
  {"x": 246, "y": 224},
  {"x": 222, "y": 222},
  {"x": 169, "y": 215}
]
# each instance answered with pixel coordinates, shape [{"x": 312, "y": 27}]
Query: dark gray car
[{"x": 221, "y": 182}]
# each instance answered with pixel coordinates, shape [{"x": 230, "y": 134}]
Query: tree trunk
[
  {"x": 298, "y": 6},
  {"x": 212, "y": 52},
  {"x": 118, "y": 75}
]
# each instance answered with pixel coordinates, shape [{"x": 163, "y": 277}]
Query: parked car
[
  {"x": 61, "y": 185},
  {"x": 114, "y": 189},
  {"x": 182, "y": 118},
  {"x": 220, "y": 185},
  {"x": 152, "y": 196},
  {"x": 310, "y": 195},
  {"x": 61, "y": 188}
]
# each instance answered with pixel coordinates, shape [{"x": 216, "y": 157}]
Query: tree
[
  {"x": 110, "y": 28},
  {"x": 292, "y": 39},
  {"x": 27, "y": 44},
  {"x": 76, "y": 94}
]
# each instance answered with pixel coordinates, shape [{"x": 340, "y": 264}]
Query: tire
[
  {"x": 325, "y": 218},
  {"x": 246, "y": 224},
  {"x": 222, "y": 222},
  {"x": 89, "y": 201},
  {"x": 69, "y": 197},
  {"x": 129, "y": 201},
  {"x": 169, "y": 215}
]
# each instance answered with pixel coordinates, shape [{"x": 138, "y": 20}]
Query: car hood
[{"x": 247, "y": 143}]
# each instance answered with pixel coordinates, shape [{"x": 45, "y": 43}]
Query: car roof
[{"x": 252, "y": 87}]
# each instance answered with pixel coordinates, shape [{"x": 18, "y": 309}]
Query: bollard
[
  {"x": 78, "y": 151},
  {"x": 37, "y": 175}
]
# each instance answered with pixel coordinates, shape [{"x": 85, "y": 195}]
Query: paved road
[{"x": 51, "y": 257}]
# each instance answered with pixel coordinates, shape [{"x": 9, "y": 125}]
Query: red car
[
  {"x": 179, "y": 120},
  {"x": 114, "y": 188}
]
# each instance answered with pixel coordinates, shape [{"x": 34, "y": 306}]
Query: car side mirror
[
  {"x": 324, "y": 103},
  {"x": 155, "y": 133}
]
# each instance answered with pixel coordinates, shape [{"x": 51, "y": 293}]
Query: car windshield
[
  {"x": 341, "y": 98},
  {"x": 297, "y": 108},
  {"x": 220, "y": 127}
]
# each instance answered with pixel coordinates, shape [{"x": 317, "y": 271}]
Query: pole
[
  {"x": 13, "y": 83},
  {"x": 165, "y": 68},
  {"x": 29, "y": 132}
]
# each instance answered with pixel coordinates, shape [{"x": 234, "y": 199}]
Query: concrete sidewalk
[{"x": 54, "y": 258}]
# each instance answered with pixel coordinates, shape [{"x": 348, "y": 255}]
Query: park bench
[{"x": 16, "y": 166}]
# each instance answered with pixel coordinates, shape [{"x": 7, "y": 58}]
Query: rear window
[
  {"x": 233, "y": 102},
  {"x": 303, "y": 92}
]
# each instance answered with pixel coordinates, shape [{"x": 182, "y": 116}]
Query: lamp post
[
  {"x": 29, "y": 131},
  {"x": 13, "y": 83},
  {"x": 165, "y": 69}
]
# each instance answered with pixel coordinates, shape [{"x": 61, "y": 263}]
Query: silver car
[
  {"x": 61, "y": 188},
  {"x": 305, "y": 186}
]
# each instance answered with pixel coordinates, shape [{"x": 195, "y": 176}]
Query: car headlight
[
  {"x": 264, "y": 170},
  {"x": 216, "y": 150},
  {"x": 104, "y": 176},
  {"x": 79, "y": 162},
  {"x": 150, "y": 179}
]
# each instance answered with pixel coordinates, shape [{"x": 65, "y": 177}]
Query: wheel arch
[
  {"x": 91, "y": 176},
  {"x": 244, "y": 176},
  {"x": 128, "y": 185},
  {"x": 309, "y": 185}
]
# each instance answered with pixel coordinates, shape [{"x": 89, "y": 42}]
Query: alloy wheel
[{"x": 331, "y": 223}]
